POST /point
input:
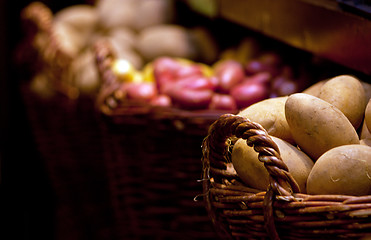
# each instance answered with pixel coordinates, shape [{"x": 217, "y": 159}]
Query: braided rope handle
[
  {"x": 39, "y": 19},
  {"x": 109, "y": 96},
  {"x": 214, "y": 150}
]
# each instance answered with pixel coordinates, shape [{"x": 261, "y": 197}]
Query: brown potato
[
  {"x": 368, "y": 115},
  {"x": 69, "y": 39},
  {"x": 85, "y": 73},
  {"x": 254, "y": 174},
  {"x": 165, "y": 40},
  {"x": 206, "y": 44},
  {"x": 365, "y": 133},
  {"x": 270, "y": 113},
  {"x": 81, "y": 17},
  {"x": 315, "y": 89},
  {"x": 347, "y": 94},
  {"x": 316, "y": 125},
  {"x": 156, "y": 12},
  {"x": 342, "y": 170},
  {"x": 116, "y": 13},
  {"x": 367, "y": 87},
  {"x": 365, "y": 141}
]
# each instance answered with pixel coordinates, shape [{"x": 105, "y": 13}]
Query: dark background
[{"x": 26, "y": 197}]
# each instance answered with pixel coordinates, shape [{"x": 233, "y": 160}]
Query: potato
[
  {"x": 348, "y": 95},
  {"x": 315, "y": 89},
  {"x": 365, "y": 133},
  {"x": 74, "y": 27},
  {"x": 156, "y": 12},
  {"x": 254, "y": 174},
  {"x": 116, "y": 13},
  {"x": 41, "y": 85},
  {"x": 123, "y": 36},
  {"x": 191, "y": 98},
  {"x": 70, "y": 41},
  {"x": 368, "y": 115},
  {"x": 367, "y": 88},
  {"x": 84, "y": 73},
  {"x": 127, "y": 53},
  {"x": 270, "y": 113},
  {"x": 342, "y": 170},
  {"x": 165, "y": 40},
  {"x": 365, "y": 141},
  {"x": 81, "y": 17},
  {"x": 206, "y": 44},
  {"x": 316, "y": 125}
]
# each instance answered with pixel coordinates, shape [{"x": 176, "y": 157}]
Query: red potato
[
  {"x": 144, "y": 91},
  {"x": 229, "y": 73},
  {"x": 190, "y": 98},
  {"x": 256, "y": 66},
  {"x": 168, "y": 70},
  {"x": 249, "y": 92},
  {"x": 164, "y": 70},
  {"x": 188, "y": 70},
  {"x": 270, "y": 58},
  {"x": 261, "y": 77},
  {"x": 164, "y": 82},
  {"x": 161, "y": 101},
  {"x": 223, "y": 102},
  {"x": 196, "y": 82},
  {"x": 282, "y": 86},
  {"x": 166, "y": 65}
]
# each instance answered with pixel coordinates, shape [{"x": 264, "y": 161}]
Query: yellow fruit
[{"x": 124, "y": 70}]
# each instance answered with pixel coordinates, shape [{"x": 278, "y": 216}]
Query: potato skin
[
  {"x": 254, "y": 174},
  {"x": 342, "y": 170},
  {"x": 315, "y": 89},
  {"x": 367, "y": 88},
  {"x": 365, "y": 141},
  {"x": 364, "y": 132},
  {"x": 270, "y": 113},
  {"x": 368, "y": 115},
  {"x": 170, "y": 40},
  {"x": 347, "y": 94},
  {"x": 316, "y": 125}
]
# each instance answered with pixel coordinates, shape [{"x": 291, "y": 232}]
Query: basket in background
[
  {"x": 66, "y": 133},
  {"x": 241, "y": 212},
  {"x": 153, "y": 163}
]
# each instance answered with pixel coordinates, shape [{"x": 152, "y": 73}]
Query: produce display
[
  {"x": 322, "y": 134},
  {"x": 73, "y": 30},
  {"x": 236, "y": 80}
]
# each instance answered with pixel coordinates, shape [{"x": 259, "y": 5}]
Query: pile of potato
[
  {"x": 241, "y": 76},
  {"x": 323, "y": 135},
  {"x": 138, "y": 30}
]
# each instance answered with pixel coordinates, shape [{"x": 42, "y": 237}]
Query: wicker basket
[
  {"x": 67, "y": 138},
  {"x": 153, "y": 162},
  {"x": 240, "y": 212}
]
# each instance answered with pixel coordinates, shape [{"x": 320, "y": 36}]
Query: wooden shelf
[{"x": 321, "y": 27}]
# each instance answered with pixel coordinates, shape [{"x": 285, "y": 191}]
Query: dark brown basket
[
  {"x": 153, "y": 162},
  {"x": 67, "y": 137},
  {"x": 240, "y": 212}
]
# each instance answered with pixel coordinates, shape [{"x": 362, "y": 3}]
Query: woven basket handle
[
  {"x": 282, "y": 184},
  {"x": 109, "y": 96},
  {"x": 38, "y": 19}
]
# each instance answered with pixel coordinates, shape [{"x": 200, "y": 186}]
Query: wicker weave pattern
[
  {"x": 67, "y": 136},
  {"x": 153, "y": 163},
  {"x": 238, "y": 211}
]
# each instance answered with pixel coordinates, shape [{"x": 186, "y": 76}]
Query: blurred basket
[
  {"x": 240, "y": 212},
  {"x": 153, "y": 162},
  {"x": 66, "y": 134}
]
